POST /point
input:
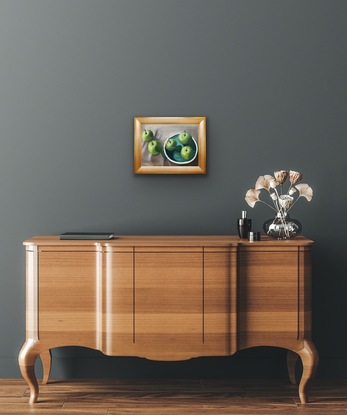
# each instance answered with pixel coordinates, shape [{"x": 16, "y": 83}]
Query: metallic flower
[
  {"x": 252, "y": 197},
  {"x": 273, "y": 183},
  {"x": 281, "y": 176},
  {"x": 286, "y": 201},
  {"x": 264, "y": 182},
  {"x": 294, "y": 176},
  {"x": 305, "y": 190},
  {"x": 283, "y": 199}
]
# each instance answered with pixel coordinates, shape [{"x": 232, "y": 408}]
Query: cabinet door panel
[
  {"x": 68, "y": 298},
  {"x": 217, "y": 303},
  {"x": 168, "y": 304},
  {"x": 118, "y": 297},
  {"x": 268, "y": 298}
]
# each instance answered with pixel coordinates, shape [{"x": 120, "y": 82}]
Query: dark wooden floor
[{"x": 173, "y": 397}]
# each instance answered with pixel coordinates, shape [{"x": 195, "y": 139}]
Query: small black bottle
[{"x": 244, "y": 225}]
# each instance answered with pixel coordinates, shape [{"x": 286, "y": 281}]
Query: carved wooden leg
[
  {"x": 309, "y": 357},
  {"x": 27, "y": 358},
  {"x": 46, "y": 358},
  {"x": 292, "y": 359}
]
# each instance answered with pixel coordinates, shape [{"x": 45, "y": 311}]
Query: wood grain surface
[
  {"x": 173, "y": 397},
  {"x": 168, "y": 298}
]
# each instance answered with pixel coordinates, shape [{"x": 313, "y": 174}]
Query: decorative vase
[{"x": 282, "y": 227}]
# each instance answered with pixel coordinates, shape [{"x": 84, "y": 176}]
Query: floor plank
[{"x": 173, "y": 397}]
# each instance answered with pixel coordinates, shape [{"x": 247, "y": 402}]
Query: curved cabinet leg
[
  {"x": 46, "y": 358},
  {"x": 309, "y": 357},
  {"x": 292, "y": 359},
  {"x": 27, "y": 358}
]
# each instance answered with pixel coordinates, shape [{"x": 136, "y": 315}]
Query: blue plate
[{"x": 175, "y": 156}]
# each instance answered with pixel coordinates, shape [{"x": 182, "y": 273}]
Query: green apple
[
  {"x": 187, "y": 153},
  {"x": 184, "y": 138},
  {"x": 171, "y": 144},
  {"x": 154, "y": 147},
  {"x": 147, "y": 135}
]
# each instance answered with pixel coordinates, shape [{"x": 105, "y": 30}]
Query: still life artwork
[{"x": 170, "y": 145}]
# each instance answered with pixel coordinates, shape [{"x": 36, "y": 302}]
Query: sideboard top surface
[{"x": 169, "y": 240}]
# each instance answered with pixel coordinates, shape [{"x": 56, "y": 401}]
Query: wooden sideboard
[{"x": 168, "y": 298}]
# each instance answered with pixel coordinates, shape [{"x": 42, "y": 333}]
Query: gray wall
[{"x": 269, "y": 75}]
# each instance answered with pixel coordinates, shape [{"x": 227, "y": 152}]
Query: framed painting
[{"x": 170, "y": 145}]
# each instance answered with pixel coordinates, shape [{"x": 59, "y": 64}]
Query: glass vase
[{"x": 282, "y": 227}]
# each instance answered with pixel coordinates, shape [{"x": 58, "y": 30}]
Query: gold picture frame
[{"x": 152, "y": 154}]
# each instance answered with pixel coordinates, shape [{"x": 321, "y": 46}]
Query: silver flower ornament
[
  {"x": 264, "y": 182},
  {"x": 285, "y": 201},
  {"x": 282, "y": 201},
  {"x": 305, "y": 190},
  {"x": 294, "y": 176},
  {"x": 252, "y": 197},
  {"x": 281, "y": 176}
]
